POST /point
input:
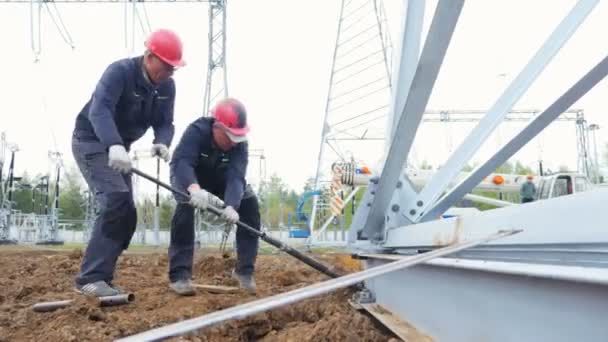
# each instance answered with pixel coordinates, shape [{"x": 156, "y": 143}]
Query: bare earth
[{"x": 30, "y": 276}]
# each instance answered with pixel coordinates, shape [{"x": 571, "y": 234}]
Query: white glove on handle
[
  {"x": 230, "y": 215},
  {"x": 119, "y": 159},
  {"x": 202, "y": 199},
  {"x": 161, "y": 151}
]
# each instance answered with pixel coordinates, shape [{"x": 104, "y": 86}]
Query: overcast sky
[{"x": 279, "y": 61}]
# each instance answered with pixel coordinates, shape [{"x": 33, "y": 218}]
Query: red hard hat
[
  {"x": 167, "y": 46},
  {"x": 231, "y": 115}
]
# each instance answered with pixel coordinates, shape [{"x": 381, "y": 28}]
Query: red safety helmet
[
  {"x": 167, "y": 46},
  {"x": 230, "y": 114}
]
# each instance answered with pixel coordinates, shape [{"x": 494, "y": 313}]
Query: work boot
[
  {"x": 97, "y": 289},
  {"x": 183, "y": 287},
  {"x": 246, "y": 282}
]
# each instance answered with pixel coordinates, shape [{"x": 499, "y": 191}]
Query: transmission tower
[
  {"x": 359, "y": 86},
  {"x": 217, "y": 82}
]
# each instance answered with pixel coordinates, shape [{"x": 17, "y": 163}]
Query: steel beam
[
  {"x": 465, "y": 300},
  {"x": 405, "y": 62},
  {"x": 439, "y": 36},
  {"x": 409, "y": 53},
  {"x": 578, "y": 90},
  {"x": 418, "y": 206},
  {"x": 572, "y": 220}
]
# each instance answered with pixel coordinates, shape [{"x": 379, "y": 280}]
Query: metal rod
[
  {"x": 103, "y": 301},
  {"x": 51, "y": 306},
  {"x": 257, "y": 306},
  {"x": 262, "y": 235},
  {"x": 116, "y": 300}
]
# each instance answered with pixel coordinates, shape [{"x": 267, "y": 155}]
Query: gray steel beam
[
  {"x": 439, "y": 36},
  {"x": 441, "y": 180},
  {"x": 451, "y": 300},
  {"x": 578, "y": 90},
  {"x": 408, "y": 54}
]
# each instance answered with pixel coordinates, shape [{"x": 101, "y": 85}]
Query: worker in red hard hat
[
  {"x": 132, "y": 95},
  {"x": 210, "y": 163}
]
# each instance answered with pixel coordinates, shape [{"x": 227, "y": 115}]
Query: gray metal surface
[
  {"x": 466, "y": 304},
  {"x": 574, "y": 220},
  {"x": 408, "y": 52},
  {"x": 261, "y": 305},
  {"x": 405, "y": 69},
  {"x": 433, "y": 53}
]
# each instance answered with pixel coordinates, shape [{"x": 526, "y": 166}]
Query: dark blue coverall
[
  {"x": 122, "y": 107},
  {"x": 196, "y": 159}
]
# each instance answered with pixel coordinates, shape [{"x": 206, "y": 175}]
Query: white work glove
[
  {"x": 161, "y": 151},
  {"x": 119, "y": 159},
  {"x": 230, "y": 215},
  {"x": 201, "y": 199}
]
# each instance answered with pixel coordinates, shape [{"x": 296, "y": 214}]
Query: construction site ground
[{"x": 31, "y": 275}]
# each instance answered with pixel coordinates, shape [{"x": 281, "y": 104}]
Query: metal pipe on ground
[
  {"x": 103, "y": 301},
  {"x": 264, "y": 304},
  {"x": 317, "y": 265}
]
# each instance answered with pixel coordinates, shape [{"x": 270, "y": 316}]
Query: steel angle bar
[
  {"x": 578, "y": 90},
  {"x": 441, "y": 180},
  {"x": 434, "y": 50},
  {"x": 408, "y": 53},
  {"x": 261, "y": 305}
]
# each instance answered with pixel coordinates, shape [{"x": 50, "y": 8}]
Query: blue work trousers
[
  {"x": 181, "y": 249},
  {"x": 116, "y": 213}
]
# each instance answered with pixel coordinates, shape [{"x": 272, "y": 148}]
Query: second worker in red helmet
[{"x": 210, "y": 163}]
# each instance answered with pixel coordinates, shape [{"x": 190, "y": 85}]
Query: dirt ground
[{"x": 29, "y": 276}]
